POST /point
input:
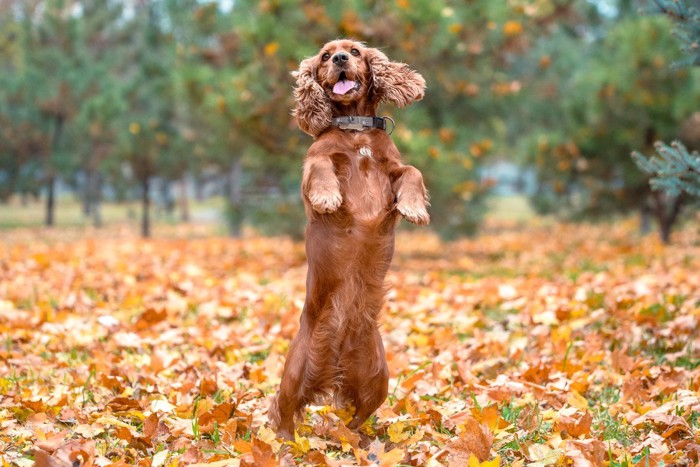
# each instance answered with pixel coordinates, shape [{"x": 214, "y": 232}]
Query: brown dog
[{"x": 354, "y": 188}]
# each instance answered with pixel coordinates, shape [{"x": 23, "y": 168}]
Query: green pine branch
[
  {"x": 673, "y": 169},
  {"x": 687, "y": 20}
]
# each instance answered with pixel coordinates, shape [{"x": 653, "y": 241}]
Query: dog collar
[{"x": 363, "y": 123}]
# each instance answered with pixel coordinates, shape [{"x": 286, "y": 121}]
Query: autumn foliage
[{"x": 566, "y": 345}]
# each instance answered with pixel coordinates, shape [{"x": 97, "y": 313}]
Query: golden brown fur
[{"x": 354, "y": 188}]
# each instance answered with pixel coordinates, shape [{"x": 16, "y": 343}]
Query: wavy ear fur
[
  {"x": 394, "y": 81},
  {"x": 313, "y": 108}
]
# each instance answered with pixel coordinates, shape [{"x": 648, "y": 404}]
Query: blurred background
[{"x": 170, "y": 111}]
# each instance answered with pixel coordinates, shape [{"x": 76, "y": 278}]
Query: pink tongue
[{"x": 342, "y": 87}]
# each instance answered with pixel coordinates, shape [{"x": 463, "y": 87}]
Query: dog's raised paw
[{"x": 325, "y": 199}]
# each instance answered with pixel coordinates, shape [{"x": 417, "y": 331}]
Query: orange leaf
[
  {"x": 262, "y": 454},
  {"x": 150, "y": 425},
  {"x": 52, "y": 442},
  {"x": 123, "y": 404},
  {"x": 347, "y": 438},
  {"x": 574, "y": 423},
  {"x": 208, "y": 386},
  {"x": 123, "y": 434},
  {"x": 149, "y": 318},
  {"x": 586, "y": 452},
  {"x": 37, "y": 406},
  {"x": 242, "y": 446},
  {"x": 474, "y": 439}
]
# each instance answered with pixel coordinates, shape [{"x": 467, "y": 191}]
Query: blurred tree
[
  {"x": 675, "y": 171},
  {"x": 448, "y": 135},
  {"x": 606, "y": 108},
  {"x": 52, "y": 82},
  {"x": 35, "y": 97},
  {"x": 149, "y": 126},
  {"x": 102, "y": 35},
  {"x": 142, "y": 94}
]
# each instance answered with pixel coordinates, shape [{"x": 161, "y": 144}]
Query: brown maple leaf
[
  {"x": 475, "y": 438},
  {"x": 262, "y": 454}
]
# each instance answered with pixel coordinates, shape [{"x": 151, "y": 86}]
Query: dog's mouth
[{"x": 345, "y": 85}]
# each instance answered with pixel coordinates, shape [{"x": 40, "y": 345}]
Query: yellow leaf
[
  {"x": 221, "y": 104},
  {"x": 223, "y": 463},
  {"x": 396, "y": 432},
  {"x": 417, "y": 436},
  {"x": 345, "y": 413},
  {"x": 300, "y": 445},
  {"x": 474, "y": 462},
  {"x": 134, "y": 128},
  {"x": 577, "y": 400},
  {"x": 113, "y": 422},
  {"x": 268, "y": 436},
  {"x": 512, "y": 28},
  {"x": 543, "y": 454},
  {"x": 271, "y": 48},
  {"x": 393, "y": 457}
]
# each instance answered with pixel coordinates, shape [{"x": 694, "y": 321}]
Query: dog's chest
[{"x": 366, "y": 184}]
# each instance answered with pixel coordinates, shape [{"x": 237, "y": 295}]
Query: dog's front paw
[
  {"x": 325, "y": 198},
  {"x": 413, "y": 209}
]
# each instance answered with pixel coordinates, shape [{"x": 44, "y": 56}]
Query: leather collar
[{"x": 362, "y": 123}]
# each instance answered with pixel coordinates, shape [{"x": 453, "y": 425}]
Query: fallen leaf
[
  {"x": 475, "y": 439},
  {"x": 574, "y": 423},
  {"x": 263, "y": 455}
]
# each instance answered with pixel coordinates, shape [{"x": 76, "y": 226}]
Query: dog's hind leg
[
  {"x": 367, "y": 384},
  {"x": 291, "y": 397}
]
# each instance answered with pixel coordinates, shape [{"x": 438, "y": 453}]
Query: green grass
[
  {"x": 515, "y": 208},
  {"x": 69, "y": 213}
]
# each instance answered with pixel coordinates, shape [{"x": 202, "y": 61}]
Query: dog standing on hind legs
[{"x": 354, "y": 188}]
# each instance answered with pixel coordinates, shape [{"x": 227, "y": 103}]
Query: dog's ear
[
  {"x": 393, "y": 81},
  {"x": 313, "y": 108}
]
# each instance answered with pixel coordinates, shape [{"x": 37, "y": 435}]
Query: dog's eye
[
  {"x": 325, "y": 56},
  {"x": 355, "y": 52}
]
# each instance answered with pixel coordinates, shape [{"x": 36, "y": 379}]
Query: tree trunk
[
  {"x": 50, "y": 199},
  {"x": 96, "y": 203},
  {"x": 645, "y": 217},
  {"x": 235, "y": 198},
  {"x": 87, "y": 194},
  {"x": 183, "y": 200},
  {"x": 666, "y": 216},
  {"x": 51, "y": 174},
  {"x": 145, "y": 207}
]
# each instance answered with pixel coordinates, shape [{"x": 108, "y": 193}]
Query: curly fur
[{"x": 393, "y": 82}]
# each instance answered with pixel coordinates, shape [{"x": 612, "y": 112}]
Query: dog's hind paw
[{"x": 325, "y": 199}]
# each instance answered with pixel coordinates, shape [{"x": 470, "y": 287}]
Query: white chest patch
[{"x": 365, "y": 151}]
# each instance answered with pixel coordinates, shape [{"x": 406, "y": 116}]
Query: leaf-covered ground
[{"x": 568, "y": 345}]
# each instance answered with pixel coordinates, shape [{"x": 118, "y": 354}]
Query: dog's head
[{"x": 346, "y": 74}]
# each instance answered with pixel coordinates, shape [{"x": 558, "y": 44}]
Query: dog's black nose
[{"x": 341, "y": 58}]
